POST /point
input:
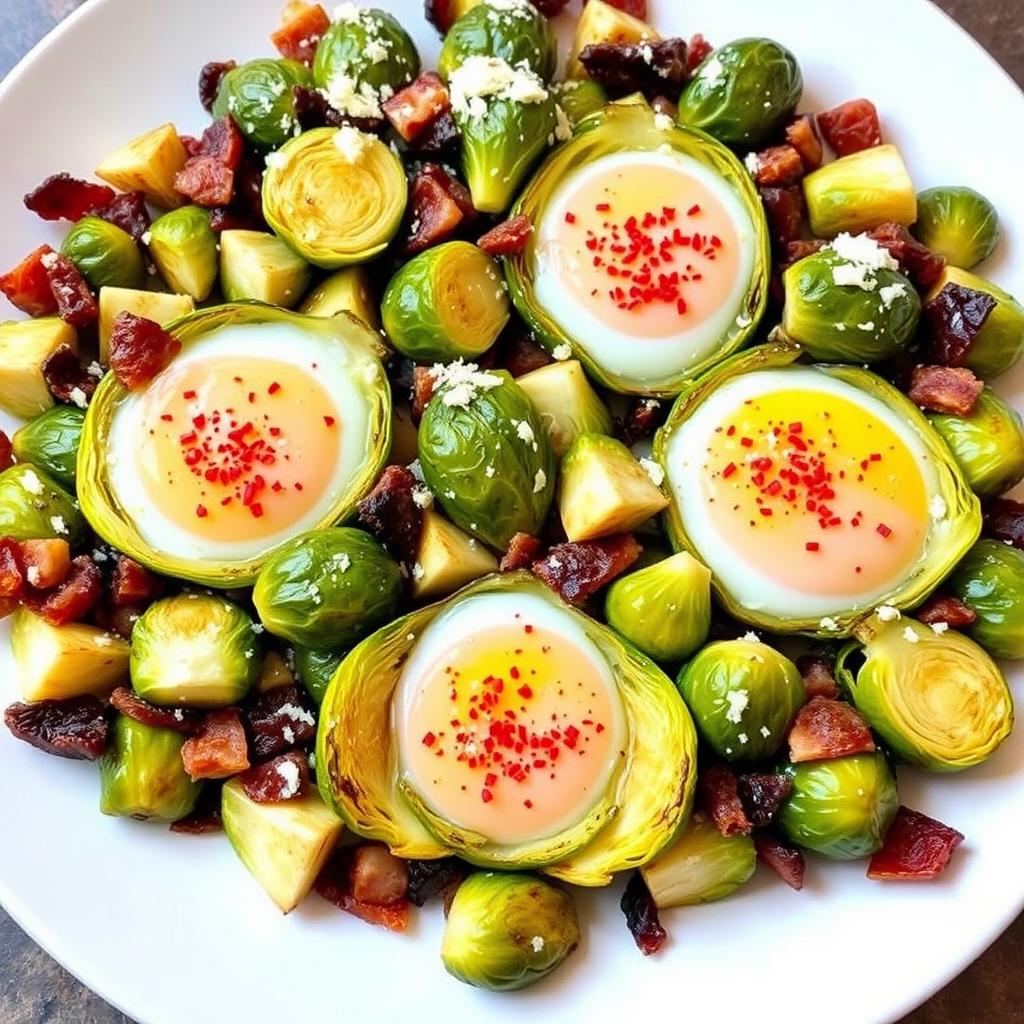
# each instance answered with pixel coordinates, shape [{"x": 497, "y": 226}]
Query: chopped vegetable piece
[
  {"x": 917, "y": 848},
  {"x": 826, "y": 728}
]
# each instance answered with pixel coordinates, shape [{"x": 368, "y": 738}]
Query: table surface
[{"x": 34, "y": 989}]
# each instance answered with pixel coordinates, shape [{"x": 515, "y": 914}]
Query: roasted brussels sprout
[
  {"x": 516, "y": 32},
  {"x": 579, "y": 98},
  {"x": 194, "y": 650},
  {"x": 958, "y": 223},
  {"x": 335, "y": 195},
  {"x": 987, "y": 443},
  {"x": 567, "y": 403},
  {"x": 448, "y": 302},
  {"x": 184, "y": 249},
  {"x": 990, "y": 581},
  {"x": 33, "y": 505},
  {"x": 840, "y": 808},
  {"x": 259, "y": 98},
  {"x": 486, "y": 456},
  {"x": 50, "y": 441},
  {"x": 259, "y": 266},
  {"x": 846, "y": 323},
  {"x": 327, "y": 588},
  {"x": 665, "y": 608},
  {"x": 24, "y": 347},
  {"x": 742, "y": 92},
  {"x": 743, "y": 695},
  {"x": 142, "y": 775},
  {"x": 104, "y": 254},
  {"x": 346, "y": 291},
  {"x": 508, "y": 931},
  {"x": 315, "y": 669}
]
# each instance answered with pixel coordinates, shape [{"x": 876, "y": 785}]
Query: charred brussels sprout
[
  {"x": 515, "y": 32},
  {"x": 845, "y": 323},
  {"x": 194, "y": 650},
  {"x": 327, "y": 588},
  {"x": 987, "y": 443},
  {"x": 579, "y": 98},
  {"x": 50, "y": 441},
  {"x": 447, "y": 302},
  {"x": 958, "y": 223},
  {"x": 486, "y": 455},
  {"x": 665, "y": 609},
  {"x": 184, "y": 248},
  {"x": 104, "y": 254},
  {"x": 508, "y": 931},
  {"x": 258, "y": 97},
  {"x": 315, "y": 669},
  {"x": 990, "y": 581},
  {"x": 742, "y": 92},
  {"x": 33, "y": 505},
  {"x": 840, "y": 808},
  {"x": 743, "y": 695},
  {"x": 142, "y": 775}
]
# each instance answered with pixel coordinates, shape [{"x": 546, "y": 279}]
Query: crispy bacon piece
[
  {"x": 27, "y": 286},
  {"x": 122, "y": 620},
  {"x": 697, "y": 49},
  {"x": 440, "y": 13},
  {"x": 285, "y": 777},
  {"x": 802, "y": 135},
  {"x": 438, "y": 205},
  {"x": 785, "y": 209},
  {"x": 642, "y": 918},
  {"x": 522, "y": 551},
  {"x": 378, "y": 876},
  {"x": 280, "y": 719},
  {"x": 6, "y": 451},
  {"x": 132, "y": 584},
  {"x": 422, "y": 391},
  {"x": 949, "y": 389},
  {"x": 209, "y": 80},
  {"x": 550, "y": 8},
  {"x": 634, "y": 8},
  {"x": 779, "y": 165},
  {"x": 642, "y": 419},
  {"x": 944, "y": 608},
  {"x": 205, "y": 816},
  {"x": 229, "y": 218},
  {"x": 12, "y": 569},
  {"x": 47, "y": 562},
  {"x": 75, "y": 302},
  {"x": 916, "y": 260},
  {"x": 415, "y": 108},
  {"x": 825, "y": 728},
  {"x": 956, "y": 316},
  {"x": 129, "y": 703},
  {"x": 507, "y": 238},
  {"x": 851, "y": 127},
  {"x": 302, "y": 26},
  {"x": 430, "y": 878},
  {"x": 75, "y": 728},
  {"x": 336, "y": 885},
  {"x": 439, "y": 139},
  {"x": 576, "y": 570},
  {"x": 520, "y": 354},
  {"x": 761, "y": 794},
  {"x": 785, "y": 861},
  {"x": 218, "y": 747},
  {"x": 206, "y": 181},
  {"x": 719, "y": 794},
  {"x": 1004, "y": 520},
  {"x": 657, "y": 67},
  {"x": 223, "y": 141},
  {"x": 799, "y": 248},
  {"x": 192, "y": 145},
  {"x": 73, "y": 599},
  {"x": 62, "y": 197},
  {"x": 127, "y": 210},
  {"x": 391, "y": 514},
  {"x": 819, "y": 679},
  {"x": 66, "y": 377},
  {"x": 917, "y": 848},
  {"x": 139, "y": 349}
]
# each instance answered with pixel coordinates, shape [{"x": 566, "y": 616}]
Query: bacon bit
[
  {"x": 576, "y": 570},
  {"x": 851, "y": 127},
  {"x": 66, "y": 377},
  {"x": 302, "y": 26},
  {"x": 342, "y": 874},
  {"x": 378, "y": 877},
  {"x": 826, "y": 728},
  {"x": 281, "y": 779},
  {"x": 206, "y": 181},
  {"x": 132, "y": 584},
  {"x": 62, "y": 197},
  {"x": 75, "y": 302},
  {"x": 127, "y": 211},
  {"x": 205, "y": 816},
  {"x": 440, "y": 140},
  {"x": 946, "y": 389},
  {"x": 438, "y": 205},
  {"x": 785, "y": 209},
  {"x": 27, "y": 286},
  {"x": 802, "y": 135},
  {"x": 507, "y": 238},
  {"x": 223, "y": 142},
  {"x": 697, "y": 49},
  {"x": 130, "y": 704},
  {"x": 917, "y": 261},
  {"x": 391, "y": 514},
  {"x": 956, "y": 316},
  {"x": 785, "y": 861},
  {"x": 6, "y": 451},
  {"x": 47, "y": 562},
  {"x": 779, "y": 165},
  {"x": 819, "y": 679},
  {"x": 423, "y": 384},
  {"x": 944, "y": 608},
  {"x": 73, "y": 598},
  {"x": 520, "y": 354},
  {"x": 209, "y": 81},
  {"x": 642, "y": 419},
  {"x": 218, "y": 747},
  {"x": 75, "y": 728},
  {"x": 442, "y": 14},
  {"x": 429, "y": 878},
  {"x": 719, "y": 793},
  {"x": 651, "y": 67},
  {"x": 762, "y": 795},
  {"x": 415, "y": 108},
  {"x": 1004, "y": 520},
  {"x": 12, "y": 570},
  {"x": 280, "y": 719},
  {"x": 522, "y": 550},
  {"x": 917, "y": 848},
  {"x": 139, "y": 350},
  {"x": 642, "y": 918}
]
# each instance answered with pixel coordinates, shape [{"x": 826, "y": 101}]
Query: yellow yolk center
[
  {"x": 236, "y": 448},
  {"x": 812, "y": 490}
]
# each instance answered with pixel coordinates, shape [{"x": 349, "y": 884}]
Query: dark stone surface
[{"x": 36, "y": 990}]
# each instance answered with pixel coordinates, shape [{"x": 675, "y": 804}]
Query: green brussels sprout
[
  {"x": 701, "y": 866},
  {"x": 34, "y": 506},
  {"x": 665, "y": 609},
  {"x": 142, "y": 775},
  {"x": 50, "y": 441},
  {"x": 104, "y": 254},
  {"x": 840, "y": 808},
  {"x": 936, "y": 698},
  {"x": 194, "y": 650},
  {"x": 362, "y": 59},
  {"x": 990, "y": 581},
  {"x": 742, "y": 92},
  {"x": 448, "y": 301},
  {"x": 184, "y": 249},
  {"x": 987, "y": 443},
  {"x": 259, "y": 99},
  {"x": 579, "y": 98},
  {"x": 958, "y": 223},
  {"x": 508, "y": 931},
  {"x": 315, "y": 668},
  {"x": 845, "y": 323},
  {"x": 327, "y": 587},
  {"x": 486, "y": 455},
  {"x": 744, "y": 696},
  {"x": 515, "y": 32}
]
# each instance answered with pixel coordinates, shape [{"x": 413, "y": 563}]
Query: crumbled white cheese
[
  {"x": 863, "y": 256},
  {"x": 288, "y": 733},
  {"x": 909, "y": 635},
  {"x": 418, "y": 572},
  {"x": 31, "y": 482},
  {"x": 886, "y": 613},
  {"x": 738, "y": 700},
  {"x": 296, "y": 714},
  {"x": 537, "y": 942},
  {"x": 58, "y": 524},
  {"x": 891, "y": 292},
  {"x": 49, "y": 260},
  {"x": 423, "y": 497},
  {"x": 712, "y": 73},
  {"x": 416, "y": 469},
  {"x": 289, "y": 771},
  {"x": 376, "y": 51},
  {"x": 258, "y": 627},
  {"x": 479, "y": 79},
  {"x": 146, "y": 237},
  {"x": 663, "y": 122},
  {"x": 525, "y": 432},
  {"x": 357, "y": 99},
  {"x": 829, "y": 624},
  {"x": 654, "y": 471},
  {"x": 742, "y": 737},
  {"x": 460, "y": 382},
  {"x": 563, "y": 126},
  {"x": 937, "y": 507},
  {"x": 33, "y": 575},
  {"x": 94, "y": 369},
  {"x": 765, "y": 731},
  {"x": 751, "y": 637},
  {"x": 540, "y": 481},
  {"x": 342, "y": 561},
  {"x": 868, "y": 325},
  {"x": 940, "y": 627},
  {"x": 351, "y": 143},
  {"x": 347, "y": 12},
  {"x": 79, "y": 397},
  {"x": 489, "y": 472},
  {"x": 276, "y": 161},
  {"x": 561, "y": 352},
  {"x": 753, "y": 163}
]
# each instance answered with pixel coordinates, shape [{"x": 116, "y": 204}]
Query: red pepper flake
[
  {"x": 274, "y": 388},
  {"x": 527, "y": 629},
  {"x": 884, "y": 530},
  {"x": 570, "y": 218},
  {"x": 747, "y": 442},
  {"x": 486, "y": 795},
  {"x": 812, "y": 545},
  {"x": 188, "y": 395},
  {"x": 765, "y": 511},
  {"x": 729, "y": 470},
  {"x": 329, "y": 420},
  {"x": 603, "y": 207},
  {"x": 201, "y": 511},
  {"x": 525, "y": 692},
  {"x": 429, "y": 739}
]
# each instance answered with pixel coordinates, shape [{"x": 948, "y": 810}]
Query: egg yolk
[
  {"x": 511, "y": 734},
  {"x": 651, "y": 248},
  {"x": 812, "y": 490},
  {"x": 237, "y": 448}
]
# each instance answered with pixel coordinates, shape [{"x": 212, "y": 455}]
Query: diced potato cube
[
  {"x": 160, "y": 307},
  {"x": 148, "y": 164},
  {"x": 24, "y": 346}
]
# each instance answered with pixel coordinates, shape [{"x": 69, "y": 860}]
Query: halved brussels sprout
[
  {"x": 987, "y": 443},
  {"x": 335, "y": 195},
  {"x": 566, "y": 402},
  {"x": 184, "y": 249},
  {"x": 486, "y": 456},
  {"x": 258, "y": 96},
  {"x": 665, "y": 608},
  {"x": 579, "y": 98},
  {"x": 990, "y": 581},
  {"x": 50, "y": 441},
  {"x": 447, "y": 302},
  {"x": 346, "y": 291},
  {"x": 514, "y": 31},
  {"x": 937, "y": 699},
  {"x": 508, "y": 931},
  {"x": 840, "y": 808},
  {"x": 315, "y": 669},
  {"x": 327, "y": 588},
  {"x": 742, "y": 92},
  {"x": 628, "y": 133},
  {"x": 958, "y": 223},
  {"x": 34, "y": 506},
  {"x": 104, "y": 254}
]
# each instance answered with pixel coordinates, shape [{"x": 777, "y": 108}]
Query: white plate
[{"x": 173, "y": 929}]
